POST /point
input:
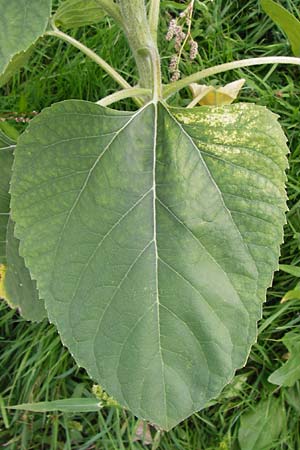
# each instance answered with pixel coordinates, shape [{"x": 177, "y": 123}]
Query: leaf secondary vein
[{"x": 86, "y": 182}]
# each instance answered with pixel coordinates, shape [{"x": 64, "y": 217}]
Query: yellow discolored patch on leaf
[
  {"x": 3, "y": 269},
  {"x": 209, "y": 95},
  {"x": 3, "y": 293}
]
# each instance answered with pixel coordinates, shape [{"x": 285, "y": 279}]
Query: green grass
[{"x": 33, "y": 364}]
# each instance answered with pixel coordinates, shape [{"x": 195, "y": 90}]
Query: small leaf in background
[
  {"x": 286, "y": 21},
  {"x": 232, "y": 390},
  {"x": 71, "y": 405},
  {"x": 292, "y": 397},
  {"x": 289, "y": 373},
  {"x": 209, "y": 95},
  {"x": 292, "y": 270},
  {"x": 235, "y": 387},
  {"x": 261, "y": 427},
  {"x": 293, "y": 294},
  {"x": 78, "y": 13},
  {"x": 8, "y": 134}
]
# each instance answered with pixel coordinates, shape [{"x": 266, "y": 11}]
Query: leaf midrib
[{"x": 156, "y": 256}]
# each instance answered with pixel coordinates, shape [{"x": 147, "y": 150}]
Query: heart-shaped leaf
[
  {"x": 22, "y": 22},
  {"x": 153, "y": 237}
]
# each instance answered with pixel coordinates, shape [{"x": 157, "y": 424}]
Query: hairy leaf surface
[
  {"x": 22, "y": 22},
  {"x": 153, "y": 237}
]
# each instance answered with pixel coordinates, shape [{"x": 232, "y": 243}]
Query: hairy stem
[
  {"x": 92, "y": 55},
  {"x": 142, "y": 44},
  {"x": 156, "y": 72},
  {"x": 125, "y": 93},
  {"x": 180, "y": 84},
  {"x": 136, "y": 28},
  {"x": 154, "y": 18}
]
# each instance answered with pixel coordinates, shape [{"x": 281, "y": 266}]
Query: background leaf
[
  {"x": 292, "y": 270},
  {"x": 153, "y": 237},
  {"x": 22, "y": 22},
  {"x": 292, "y": 396},
  {"x": 293, "y": 294},
  {"x": 261, "y": 427},
  {"x": 224, "y": 95},
  {"x": 286, "y": 21},
  {"x": 78, "y": 13},
  {"x": 71, "y": 405},
  {"x": 8, "y": 134},
  {"x": 289, "y": 373}
]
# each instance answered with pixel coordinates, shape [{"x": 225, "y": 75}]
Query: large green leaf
[
  {"x": 261, "y": 427},
  {"x": 77, "y": 13},
  {"x": 22, "y": 22},
  {"x": 153, "y": 237},
  {"x": 286, "y": 21},
  {"x": 16, "y": 285}
]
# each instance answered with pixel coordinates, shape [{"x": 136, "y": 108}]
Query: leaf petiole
[
  {"x": 176, "y": 86},
  {"x": 125, "y": 93},
  {"x": 154, "y": 18}
]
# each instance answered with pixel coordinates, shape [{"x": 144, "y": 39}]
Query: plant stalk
[
  {"x": 171, "y": 88},
  {"x": 154, "y": 18},
  {"x": 144, "y": 48},
  {"x": 125, "y": 93}
]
